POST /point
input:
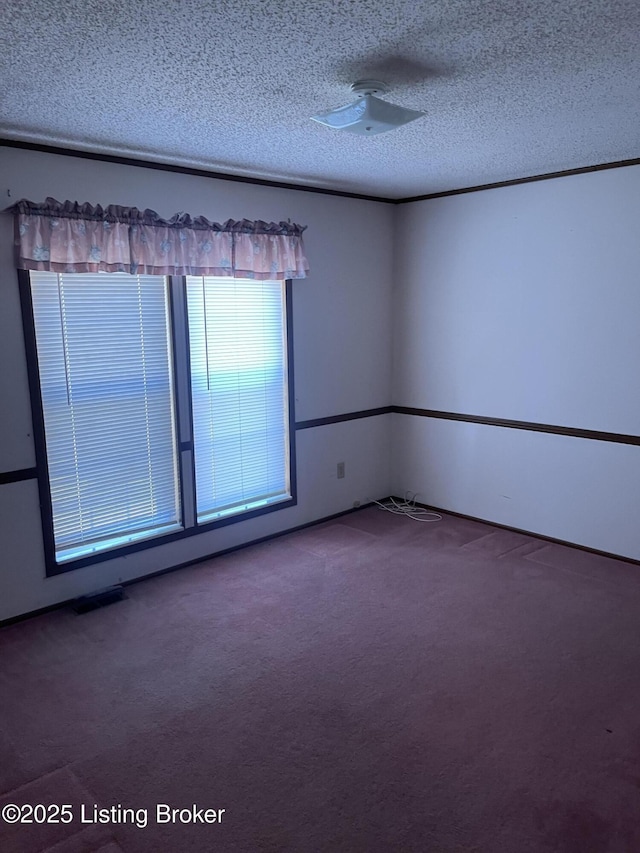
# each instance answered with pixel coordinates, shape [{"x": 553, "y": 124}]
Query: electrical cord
[{"x": 408, "y": 507}]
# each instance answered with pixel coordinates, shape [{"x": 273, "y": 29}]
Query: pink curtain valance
[{"x": 73, "y": 237}]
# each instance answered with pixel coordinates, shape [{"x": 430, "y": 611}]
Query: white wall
[
  {"x": 519, "y": 303},
  {"x": 523, "y": 303},
  {"x": 342, "y": 357}
]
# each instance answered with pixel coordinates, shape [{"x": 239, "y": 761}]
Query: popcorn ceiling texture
[{"x": 511, "y": 88}]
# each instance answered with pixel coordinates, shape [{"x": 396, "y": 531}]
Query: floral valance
[{"x": 73, "y": 237}]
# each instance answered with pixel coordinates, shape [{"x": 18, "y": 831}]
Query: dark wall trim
[
  {"x": 547, "y": 176},
  {"x": 18, "y": 476},
  {"x": 574, "y": 432},
  {"x": 184, "y": 170},
  {"x": 225, "y": 176},
  {"x": 350, "y": 416},
  {"x": 32, "y": 473},
  {"x": 541, "y": 536}
]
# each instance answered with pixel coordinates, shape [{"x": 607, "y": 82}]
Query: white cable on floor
[{"x": 408, "y": 507}]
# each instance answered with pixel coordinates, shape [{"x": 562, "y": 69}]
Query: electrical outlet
[{"x": 340, "y": 470}]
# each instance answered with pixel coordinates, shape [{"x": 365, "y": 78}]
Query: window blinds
[
  {"x": 104, "y": 357},
  {"x": 238, "y": 359}
]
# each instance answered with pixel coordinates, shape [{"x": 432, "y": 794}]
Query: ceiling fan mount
[
  {"x": 369, "y": 87},
  {"x": 368, "y": 115}
]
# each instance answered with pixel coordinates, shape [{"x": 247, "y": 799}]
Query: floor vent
[{"x": 87, "y": 603}]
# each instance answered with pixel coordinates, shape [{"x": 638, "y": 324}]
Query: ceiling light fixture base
[
  {"x": 369, "y": 87},
  {"x": 367, "y": 115}
]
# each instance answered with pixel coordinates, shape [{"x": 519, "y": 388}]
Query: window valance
[{"x": 74, "y": 237}]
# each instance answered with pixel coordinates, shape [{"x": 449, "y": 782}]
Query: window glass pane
[
  {"x": 237, "y": 339},
  {"x": 104, "y": 357}
]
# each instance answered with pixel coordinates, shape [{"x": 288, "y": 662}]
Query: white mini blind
[
  {"x": 105, "y": 365},
  {"x": 238, "y": 355}
]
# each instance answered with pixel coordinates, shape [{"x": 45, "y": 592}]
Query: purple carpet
[{"x": 369, "y": 684}]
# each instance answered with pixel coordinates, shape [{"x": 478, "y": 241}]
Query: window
[
  {"x": 238, "y": 385},
  {"x": 165, "y": 407}
]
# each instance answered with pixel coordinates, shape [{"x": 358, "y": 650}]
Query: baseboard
[
  {"x": 551, "y": 539},
  {"x": 42, "y": 610},
  {"x": 12, "y": 620}
]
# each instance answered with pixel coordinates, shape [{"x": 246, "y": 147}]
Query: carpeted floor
[{"x": 368, "y": 685}]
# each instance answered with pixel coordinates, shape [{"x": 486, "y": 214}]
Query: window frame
[{"x": 185, "y": 444}]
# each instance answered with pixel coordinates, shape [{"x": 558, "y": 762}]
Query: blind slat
[
  {"x": 104, "y": 358},
  {"x": 237, "y": 339}
]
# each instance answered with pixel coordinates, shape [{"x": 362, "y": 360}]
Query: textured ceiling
[{"x": 510, "y": 88}]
